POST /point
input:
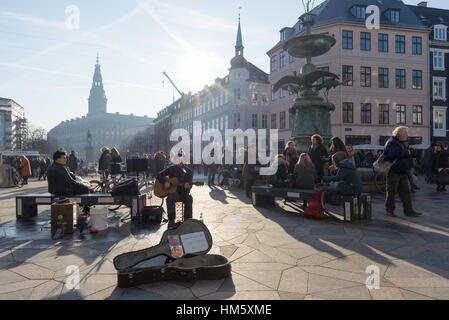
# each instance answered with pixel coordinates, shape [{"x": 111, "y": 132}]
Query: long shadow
[
  {"x": 24, "y": 191},
  {"x": 218, "y": 195},
  {"x": 380, "y": 237}
]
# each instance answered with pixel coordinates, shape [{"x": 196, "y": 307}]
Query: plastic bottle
[{"x": 201, "y": 217}]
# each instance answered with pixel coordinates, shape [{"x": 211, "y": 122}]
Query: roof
[
  {"x": 333, "y": 11},
  {"x": 256, "y": 74},
  {"x": 431, "y": 16},
  {"x": 7, "y": 101}
]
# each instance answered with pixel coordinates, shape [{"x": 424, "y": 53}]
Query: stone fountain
[{"x": 311, "y": 111}]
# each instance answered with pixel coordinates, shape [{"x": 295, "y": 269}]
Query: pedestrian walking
[
  {"x": 42, "y": 169},
  {"x": 212, "y": 170},
  {"x": 397, "y": 179},
  {"x": 429, "y": 156},
  {"x": 25, "y": 168},
  {"x": 441, "y": 163},
  {"x": 72, "y": 162}
]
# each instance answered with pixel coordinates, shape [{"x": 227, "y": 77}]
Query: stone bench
[
  {"x": 352, "y": 208},
  {"x": 27, "y": 205}
]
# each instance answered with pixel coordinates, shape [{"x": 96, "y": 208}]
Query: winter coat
[
  {"x": 281, "y": 174},
  {"x": 348, "y": 178},
  {"x": 316, "y": 154},
  {"x": 72, "y": 162},
  {"x": 429, "y": 156},
  {"x": 396, "y": 150},
  {"x": 105, "y": 162},
  {"x": 441, "y": 160},
  {"x": 26, "y": 168},
  {"x": 305, "y": 176}
]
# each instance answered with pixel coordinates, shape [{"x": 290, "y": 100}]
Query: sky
[{"x": 47, "y": 66}]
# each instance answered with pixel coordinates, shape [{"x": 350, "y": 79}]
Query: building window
[
  {"x": 365, "y": 113},
  {"x": 417, "y": 79},
  {"x": 417, "y": 115},
  {"x": 440, "y": 33},
  {"x": 400, "y": 44},
  {"x": 264, "y": 121},
  {"x": 282, "y": 59},
  {"x": 347, "y": 39},
  {"x": 438, "y": 60},
  {"x": 383, "y": 78},
  {"x": 282, "y": 120},
  {"x": 360, "y": 12},
  {"x": 282, "y": 93},
  {"x": 365, "y": 76},
  {"x": 273, "y": 94},
  {"x": 365, "y": 41},
  {"x": 273, "y": 121},
  {"x": 356, "y": 140},
  {"x": 348, "y": 112},
  {"x": 439, "y": 89},
  {"x": 400, "y": 114},
  {"x": 384, "y": 113},
  {"x": 254, "y": 120},
  {"x": 254, "y": 97},
  {"x": 264, "y": 97},
  {"x": 439, "y": 121},
  {"x": 237, "y": 94},
  {"x": 236, "y": 120},
  {"x": 417, "y": 45},
  {"x": 393, "y": 15},
  {"x": 348, "y": 76},
  {"x": 273, "y": 63},
  {"x": 383, "y": 42},
  {"x": 291, "y": 59},
  {"x": 400, "y": 78}
]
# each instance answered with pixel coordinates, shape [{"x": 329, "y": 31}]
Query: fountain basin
[{"x": 312, "y": 45}]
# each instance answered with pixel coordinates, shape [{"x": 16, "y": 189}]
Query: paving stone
[
  {"x": 237, "y": 282},
  {"x": 17, "y": 295},
  {"x": 255, "y": 256},
  {"x": 202, "y": 288},
  {"x": 399, "y": 268},
  {"x": 410, "y": 295},
  {"x": 294, "y": 280},
  {"x": 111, "y": 293},
  {"x": 168, "y": 290},
  {"x": 17, "y": 286},
  {"x": 7, "y": 277},
  {"x": 33, "y": 272},
  {"x": 318, "y": 283},
  {"x": 313, "y": 260},
  {"x": 256, "y": 295},
  {"x": 353, "y": 293},
  {"x": 385, "y": 293},
  {"x": 420, "y": 282},
  {"x": 49, "y": 290},
  {"x": 291, "y": 296}
]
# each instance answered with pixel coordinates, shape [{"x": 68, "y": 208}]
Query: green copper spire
[{"x": 239, "y": 45}]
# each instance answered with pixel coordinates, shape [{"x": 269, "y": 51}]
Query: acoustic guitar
[{"x": 161, "y": 192}]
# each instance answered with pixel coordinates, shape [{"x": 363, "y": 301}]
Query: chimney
[{"x": 422, "y": 4}]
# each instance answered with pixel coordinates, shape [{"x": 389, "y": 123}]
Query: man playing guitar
[{"x": 185, "y": 177}]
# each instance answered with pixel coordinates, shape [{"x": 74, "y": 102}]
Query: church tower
[
  {"x": 97, "y": 98},
  {"x": 239, "y": 43}
]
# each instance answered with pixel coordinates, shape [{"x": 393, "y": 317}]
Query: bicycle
[{"x": 17, "y": 178}]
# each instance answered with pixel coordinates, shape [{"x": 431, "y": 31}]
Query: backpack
[{"x": 314, "y": 208}]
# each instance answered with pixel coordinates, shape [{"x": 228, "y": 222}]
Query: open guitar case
[{"x": 181, "y": 255}]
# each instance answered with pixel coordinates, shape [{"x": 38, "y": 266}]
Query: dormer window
[
  {"x": 393, "y": 15},
  {"x": 359, "y": 11},
  {"x": 440, "y": 32}
]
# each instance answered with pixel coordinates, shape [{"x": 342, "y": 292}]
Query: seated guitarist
[{"x": 185, "y": 177}]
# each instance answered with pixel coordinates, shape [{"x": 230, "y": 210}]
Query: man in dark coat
[
  {"x": 72, "y": 162},
  {"x": 428, "y": 162},
  {"x": 397, "y": 179},
  {"x": 61, "y": 181}
]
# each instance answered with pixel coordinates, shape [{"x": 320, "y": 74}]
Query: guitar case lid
[{"x": 191, "y": 238}]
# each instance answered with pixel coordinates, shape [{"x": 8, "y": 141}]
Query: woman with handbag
[{"x": 440, "y": 165}]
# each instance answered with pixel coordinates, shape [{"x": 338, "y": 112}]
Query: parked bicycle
[{"x": 17, "y": 178}]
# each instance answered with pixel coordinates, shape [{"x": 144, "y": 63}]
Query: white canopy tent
[{"x": 368, "y": 147}]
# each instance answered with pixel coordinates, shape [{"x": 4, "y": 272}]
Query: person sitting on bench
[
  {"x": 305, "y": 172},
  {"x": 347, "y": 180},
  {"x": 61, "y": 181},
  {"x": 279, "y": 179}
]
